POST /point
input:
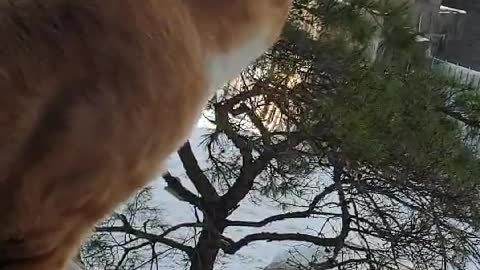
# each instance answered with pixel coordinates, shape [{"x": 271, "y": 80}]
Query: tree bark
[{"x": 206, "y": 251}]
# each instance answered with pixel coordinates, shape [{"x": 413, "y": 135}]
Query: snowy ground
[{"x": 255, "y": 256}]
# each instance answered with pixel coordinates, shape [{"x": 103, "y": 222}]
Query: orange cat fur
[{"x": 95, "y": 95}]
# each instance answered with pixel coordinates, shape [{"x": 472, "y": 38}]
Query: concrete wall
[
  {"x": 426, "y": 13},
  {"x": 451, "y": 22},
  {"x": 465, "y": 51},
  {"x": 439, "y": 23}
]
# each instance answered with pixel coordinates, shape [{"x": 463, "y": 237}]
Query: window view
[{"x": 240, "y": 134}]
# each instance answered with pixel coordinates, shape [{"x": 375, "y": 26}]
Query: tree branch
[
  {"x": 233, "y": 247},
  {"x": 128, "y": 229},
  {"x": 244, "y": 183},
  {"x": 460, "y": 117},
  {"x": 346, "y": 217},
  {"x": 196, "y": 175},
  {"x": 266, "y": 221},
  {"x": 257, "y": 122},
  {"x": 331, "y": 263},
  {"x": 292, "y": 215},
  {"x": 175, "y": 187},
  {"x": 321, "y": 196},
  {"x": 182, "y": 225}
]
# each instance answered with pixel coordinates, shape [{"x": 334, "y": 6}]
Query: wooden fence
[{"x": 457, "y": 72}]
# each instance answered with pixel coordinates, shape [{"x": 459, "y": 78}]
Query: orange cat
[{"x": 95, "y": 95}]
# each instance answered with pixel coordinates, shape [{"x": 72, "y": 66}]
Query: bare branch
[
  {"x": 460, "y": 117},
  {"x": 153, "y": 238},
  {"x": 196, "y": 175},
  {"x": 292, "y": 215},
  {"x": 175, "y": 187},
  {"x": 233, "y": 247},
  {"x": 266, "y": 221},
  {"x": 182, "y": 225}
]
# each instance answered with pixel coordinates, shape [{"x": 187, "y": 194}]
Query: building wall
[
  {"x": 466, "y": 50},
  {"x": 426, "y": 13}
]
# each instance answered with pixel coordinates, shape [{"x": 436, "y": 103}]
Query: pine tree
[{"x": 346, "y": 94}]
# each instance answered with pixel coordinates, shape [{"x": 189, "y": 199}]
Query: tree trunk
[{"x": 206, "y": 251}]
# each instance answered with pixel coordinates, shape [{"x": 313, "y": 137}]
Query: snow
[{"x": 254, "y": 256}]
